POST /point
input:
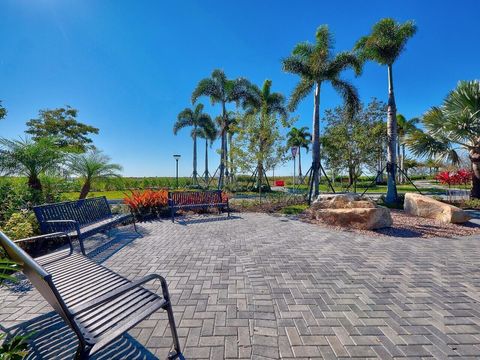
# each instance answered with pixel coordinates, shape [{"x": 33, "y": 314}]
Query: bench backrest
[
  {"x": 85, "y": 211},
  {"x": 196, "y": 197},
  {"x": 37, "y": 275}
]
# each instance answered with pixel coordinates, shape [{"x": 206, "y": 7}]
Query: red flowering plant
[
  {"x": 147, "y": 203},
  {"x": 460, "y": 177}
]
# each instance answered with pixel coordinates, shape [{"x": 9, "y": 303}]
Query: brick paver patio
[{"x": 259, "y": 286}]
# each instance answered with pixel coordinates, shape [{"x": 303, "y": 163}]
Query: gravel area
[{"x": 407, "y": 226}]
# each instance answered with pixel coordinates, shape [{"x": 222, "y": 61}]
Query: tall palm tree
[
  {"x": 453, "y": 126},
  {"x": 316, "y": 65},
  {"x": 91, "y": 166},
  {"x": 197, "y": 119},
  {"x": 30, "y": 158},
  {"x": 384, "y": 45},
  {"x": 404, "y": 127},
  {"x": 209, "y": 132},
  {"x": 300, "y": 138},
  {"x": 222, "y": 90},
  {"x": 265, "y": 103}
]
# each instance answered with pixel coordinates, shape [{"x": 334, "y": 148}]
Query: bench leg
[
  {"x": 82, "y": 247},
  {"x": 82, "y": 353},
  {"x": 176, "y": 353},
  {"x": 172, "y": 214}
]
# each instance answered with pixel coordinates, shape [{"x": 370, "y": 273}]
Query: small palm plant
[
  {"x": 384, "y": 45},
  {"x": 207, "y": 131},
  {"x": 451, "y": 128},
  {"x": 404, "y": 127},
  {"x": 30, "y": 158},
  {"x": 317, "y": 65},
  {"x": 91, "y": 166},
  {"x": 299, "y": 138},
  {"x": 197, "y": 119}
]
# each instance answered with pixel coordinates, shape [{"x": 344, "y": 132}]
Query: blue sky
[{"x": 130, "y": 66}]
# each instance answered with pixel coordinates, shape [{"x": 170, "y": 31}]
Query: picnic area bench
[
  {"x": 79, "y": 218},
  {"x": 98, "y": 304},
  {"x": 189, "y": 200}
]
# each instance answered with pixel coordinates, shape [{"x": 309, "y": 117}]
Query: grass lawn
[{"x": 111, "y": 195}]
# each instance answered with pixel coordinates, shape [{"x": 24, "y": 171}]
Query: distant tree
[
  {"x": 353, "y": 142},
  {"x": 451, "y": 128},
  {"x": 3, "y": 111},
  {"x": 62, "y": 124},
  {"x": 404, "y": 127},
  {"x": 384, "y": 45},
  {"x": 209, "y": 132},
  {"x": 30, "y": 158},
  {"x": 222, "y": 90},
  {"x": 192, "y": 118},
  {"x": 316, "y": 65},
  {"x": 91, "y": 166},
  {"x": 300, "y": 138},
  {"x": 268, "y": 106}
]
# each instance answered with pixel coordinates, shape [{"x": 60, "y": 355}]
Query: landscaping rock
[
  {"x": 357, "y": 218},
  {"x": 350, "y": 210},
  {"x": 424, "y": 206}
]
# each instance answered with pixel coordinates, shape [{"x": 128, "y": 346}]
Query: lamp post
[
  {"x": 294, "y": 150},
  {"x": 176, "y": 157}
]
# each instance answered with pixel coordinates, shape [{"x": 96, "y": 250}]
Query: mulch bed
[{"x": 407, "y": 226}]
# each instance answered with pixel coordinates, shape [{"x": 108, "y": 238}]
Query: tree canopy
[{"x": 62, "y": 125}]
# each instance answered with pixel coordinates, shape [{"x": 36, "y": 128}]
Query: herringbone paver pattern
[{"x": 259, "y": 286}]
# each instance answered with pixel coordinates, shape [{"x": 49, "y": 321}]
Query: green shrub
[{"x": 21, "y": 225}]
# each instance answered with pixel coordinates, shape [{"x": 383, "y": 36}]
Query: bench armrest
[
  {"x": 121, "y": 290},
  {"x": 75, "y": 224},
  {"x": 46, "y": 236}
]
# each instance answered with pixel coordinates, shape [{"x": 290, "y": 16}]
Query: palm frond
[
  {"x": 344, "y": 61},
  {"x": 349, "y": 94},
  {"x": 303, "y": 88}
]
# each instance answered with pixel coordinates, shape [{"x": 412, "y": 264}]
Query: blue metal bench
[
  {"x": 190, "y": 200},
  {"x": 80, "y": 218},
  {"x": 98, "y": 304}
]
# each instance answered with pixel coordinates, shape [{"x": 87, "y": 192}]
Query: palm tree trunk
[
  {"x": 222, "y": 150},
  {"x": 85, "y": 189},
  {"x": 475, "y": 159},
  {"x": 399, "y": 161},
  {"x": 206, "y": 161},
  {"x": 300, "y": 176},
  {"x": 195, "y": 156},
  {"x": 402, "y": 164},
  {"x": 392, "y": 195},
  {"x": 230, "y": 138},
  {"x": 316, "y": 140},
  {"x": 34, "y": 183}
]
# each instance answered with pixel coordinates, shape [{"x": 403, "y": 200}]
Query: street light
[{"x": 176, "y": 157}]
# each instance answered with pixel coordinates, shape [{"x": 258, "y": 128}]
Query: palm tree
[
  {"x": 207, "y": 131},
  {"x": 91, "y": 166},
  {"x": 196, "y": 118},
  {"x": 30, "y": 158},
  {"x": 316, "y": 64},
  {"x": 300, "y": 138},
  {"x": 265, "y": 103},
  {"x": 384, "y": 45},
  {"x": 222, "y": 90},
  {"x": 404, "y": 127},
  {"x": 453, "y": 126}
]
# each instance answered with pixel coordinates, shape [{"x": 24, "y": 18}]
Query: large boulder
[
  {"x": 357, "y": 218},
  {"x": 424, "y": 206},
  {"x": 350, "y": 210}
]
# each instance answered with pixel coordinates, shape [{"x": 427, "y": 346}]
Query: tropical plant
[
  {"x": 91, "y": 166},
  {"x": 192, "y": 118},
  {"x": 316, "y": 65},
  {"x": 404, "y": 127},
  {"x": 147, "y": 202},
  {"x": 384, "y": 45},
  {"x": 222, "y": 90},
  {"x": 207, "y": 131},
  {"x": 267, "y": 105},
  {"x": 30, "y": 158},
  {"x": 62, "y": 124},
  {"x": 299, "y": 138},
  {"x": 451, "y": 128}
]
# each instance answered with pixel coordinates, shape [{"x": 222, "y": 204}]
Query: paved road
[{"x": 259, "y": 286}]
